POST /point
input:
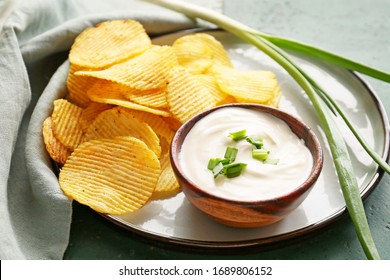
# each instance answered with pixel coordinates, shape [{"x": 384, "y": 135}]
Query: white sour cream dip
[{"x": 209, "y": 138}]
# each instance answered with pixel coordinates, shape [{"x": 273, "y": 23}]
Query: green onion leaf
[
  {"x": 306, "y": 49},
  {"x": 256, "y": 141},
  {"x": 218, "y": 169},
  {"x": 234, "y": 169},
  {"x": 260, "y": 154},
  {"x": 238, "y": 135},
  {"x": 213, "y": 162},
  {"x": 231, "y": 153}
]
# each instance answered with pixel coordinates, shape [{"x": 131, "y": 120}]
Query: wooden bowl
[{"x": 258, "y": 213}]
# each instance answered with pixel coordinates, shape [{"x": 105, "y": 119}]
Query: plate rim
[{"x": 275, "y": 241}]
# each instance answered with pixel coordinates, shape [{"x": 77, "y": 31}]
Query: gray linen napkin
[{"x": 35, "y": 216}]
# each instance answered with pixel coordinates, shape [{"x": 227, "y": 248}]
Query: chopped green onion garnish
[
  {"x": 225, "y": 161},
  {"x": 256, "y": 141},
  {"x": 234, "y": 169},
  {"x": 218, "y": 169},
  {"x": 238, "y": 135},
  {"x": 260, "y": 154},
  {"x": 213, "y": 162},
  {"x": 273, "y": 161},
  {"x": 231, "y": 153},
  {"x": 225, "y": 166}
]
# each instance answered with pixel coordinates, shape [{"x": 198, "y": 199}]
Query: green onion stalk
[{"x": 322, "y": 102}]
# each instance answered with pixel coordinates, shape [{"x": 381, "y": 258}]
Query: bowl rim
[{"x": 301, "y": 189}]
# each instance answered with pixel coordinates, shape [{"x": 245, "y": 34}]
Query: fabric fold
[{"x": 14, "y": 99}]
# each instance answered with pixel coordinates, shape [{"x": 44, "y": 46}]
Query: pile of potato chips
[{"x": 126, "y": 98}]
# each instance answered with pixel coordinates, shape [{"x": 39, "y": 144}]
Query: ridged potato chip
[
  {"x": 277, "y": 95},
  {"x": 67, "y": 123},
  {"x": 91, "y": 112},
  {"x": 186, "y": 96},
  {"x": 167, "y": 184},
  {"x": 78, "y": 86},
  {"x": 197, "y": 52},
  {"x": 254, "y": 86},
  {"x": 211, "y": 84},
  {"x": 109, "y": 43},
  {"x": 119, "y": 122},
  {"x": 108, "y": 92},
  {"x": 157, "y": 123},
  {"x": 132, "y": 105},
  {"x": 155, "y": 98},
  {"x": 173, "y": 123},
  {"x": 195, "y": 55},
  {"x": 57, "y": 151},
  {"x": 228, "y": 100},
  {"x": 106, "y": 89},
  {"x": 146, "y": 71},
  {"x": 112, "y": 176}
]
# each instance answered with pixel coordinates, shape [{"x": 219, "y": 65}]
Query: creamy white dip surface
[{"x": 209, "y": 138}]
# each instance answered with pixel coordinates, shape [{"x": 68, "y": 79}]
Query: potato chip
[
  {"x": 157, "y": 123},
  {"x": 151, "y": 98},
  {"x": 277, "y": 95},
  {"x": 167, "y": 184},
  {"x": 147, "y": 71},
  {"x": 132, "y": 105},
  {"x": 255, "y": 86},
  {"x": 106, "y": 89},
  {"x": 78, "y": 86},
  {"x": 109, "y": 43},
  {"x": 108, "y": 92},
  {"x": 211, "y": 84},
  {"x": 155, "y": 98},
  {"x": 112, "y": 176},
  {"x": 220, "y": 56},
  {"x": 119, "y": 122},
  {"x": 57, "y": 151},
  {"x": 197, "y": 52},
  {"x": 91, "y": 112},
  {"x": 228, "y": 100},
  {"x": 193, "y": 54},
  {"x": 173, "y": 123},
  {"x": 67, "y": 123},
  {"x": 186, "y": 96}
]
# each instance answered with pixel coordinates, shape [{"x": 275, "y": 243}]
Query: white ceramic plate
[{"x": 175, "y": 221}]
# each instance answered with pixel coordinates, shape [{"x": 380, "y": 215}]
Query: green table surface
[{"x": 359, "y": 29}]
